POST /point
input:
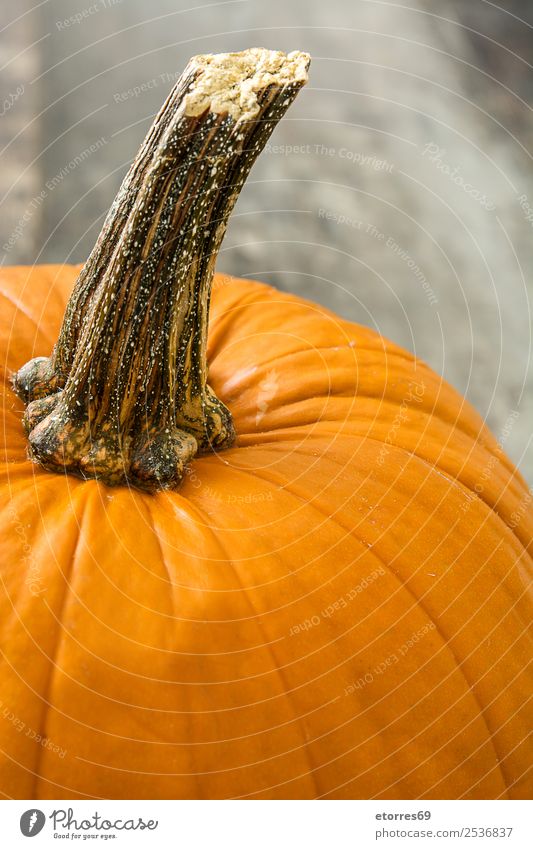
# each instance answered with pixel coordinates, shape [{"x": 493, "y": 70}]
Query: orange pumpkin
[
  {"x": 337, "y": 606},
  {"x": 300, "y": 618}
]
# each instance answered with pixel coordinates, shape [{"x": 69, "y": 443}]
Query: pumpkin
[{"x": 330, "y": 600}]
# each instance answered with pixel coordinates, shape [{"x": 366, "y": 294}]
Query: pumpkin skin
[{"x": 327, "y": 609}]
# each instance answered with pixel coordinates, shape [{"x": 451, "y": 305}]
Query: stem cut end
[{"x": 231, "y": 82}]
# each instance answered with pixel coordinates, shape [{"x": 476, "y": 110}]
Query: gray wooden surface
[{"x": 396, "y": 191}]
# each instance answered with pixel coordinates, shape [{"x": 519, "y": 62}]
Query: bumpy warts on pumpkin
[{"x": 124, "y": 394}]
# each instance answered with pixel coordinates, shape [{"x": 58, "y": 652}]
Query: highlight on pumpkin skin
[{"x": 124, "y": 395}]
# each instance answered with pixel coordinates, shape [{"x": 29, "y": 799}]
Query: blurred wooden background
[{"x": 397, "y": 191}]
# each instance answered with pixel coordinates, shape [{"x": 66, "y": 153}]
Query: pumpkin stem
[{"x": 124, "y": 394}]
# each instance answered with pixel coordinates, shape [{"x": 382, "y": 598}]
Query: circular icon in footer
[{"x": 32, "y": 822}]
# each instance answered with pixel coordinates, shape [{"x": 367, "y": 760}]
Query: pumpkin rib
[
  {"x": 192, "y": 588},
  {"x": 36, "y": 774},
  {"x": 162, "y": 614},
  {"x": 191, "y": 713},
  {"x": 273, "y": 656},
  {"x": 381, "y": 561},
  {"x": 174, "y": 652},
  {"x": 140, "y": 706},
  {"x": 213, "y": 591},
  {"x": 521, "y": 777},
  {"x": 246, "y": 293},
  {"x": 289, "y": 355},
  {"x": 208, "y": 525},
  {"x": 497, "y": 696},
  {"x": 154, "y": 536},
  {"x": 21, "y": 310},
  {"x": 149, "y": 513},
  {"x": 375, "y": 553},
  {"x": 146, "y": 511},
  {"x": 173, "y": 712},
  {"x": 459, "y": 665},
  {"x": 508, "y": 785},
  {"x": 20, "y": 283},
  {"x": 334, "y": 790},
  {"x": 182, "y": 683},
  {"x": 46, "y": 780},
  {"x": 514, "y": 479},
  {"x": 505, "y": 792},
  {"x": 445, "y": 640},
  {"x": 420, "y": 364},
  {"x": 433, "y": 468},
  {"x": 69, "y": 717},
  {"x": 13, "y": 601},
  {"x": 490, "y": 506},
  {"x": 309, "y": 347},
  {"x": 259, "y": 294},
  {"x": 325, "y": 517},
  {"x": 409, "y": 742},
  {"x": 363, "y": 436},
  {"x": 411, "y": 453},
  {"x": 52, "y": 661},
  {"x": 286, "y": 691},
  {"x": 159, "y": 681},
  {"x": 273, "y": 429}
]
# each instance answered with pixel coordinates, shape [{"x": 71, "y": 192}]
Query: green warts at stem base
[{"x": 124, "y": 396}]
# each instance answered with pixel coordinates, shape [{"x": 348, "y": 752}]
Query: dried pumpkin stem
[{"x": 124, "y": 395}]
